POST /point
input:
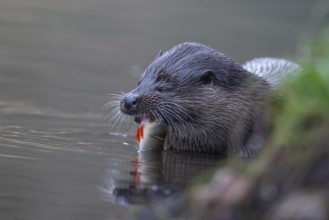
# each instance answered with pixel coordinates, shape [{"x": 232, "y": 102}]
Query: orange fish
[{"x": 150, "y": 136}]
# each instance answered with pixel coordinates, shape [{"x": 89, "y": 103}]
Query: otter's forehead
[{"x": 183, "y": 59}]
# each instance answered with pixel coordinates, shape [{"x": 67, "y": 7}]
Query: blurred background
[
  {"x": 60, "y": 59},
  {"x": 67, "y": 54}
]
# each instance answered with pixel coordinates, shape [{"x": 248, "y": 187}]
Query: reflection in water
[{"x": 154, "y": 176}]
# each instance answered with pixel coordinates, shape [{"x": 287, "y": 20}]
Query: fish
[{"x": 150, "y": 135}]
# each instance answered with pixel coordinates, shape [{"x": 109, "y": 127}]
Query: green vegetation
[{"x": 306, "y": 104}]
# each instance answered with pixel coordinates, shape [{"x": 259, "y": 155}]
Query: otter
[{"x": 205, "y": 101}]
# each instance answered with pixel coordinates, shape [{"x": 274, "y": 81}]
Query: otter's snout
[{"x": 128, "y": 104}]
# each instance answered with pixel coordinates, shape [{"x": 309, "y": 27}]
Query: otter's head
[{"x": 183, "y": 86}]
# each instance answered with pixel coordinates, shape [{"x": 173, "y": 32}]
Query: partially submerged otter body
[{"x": 203, "y": 100}]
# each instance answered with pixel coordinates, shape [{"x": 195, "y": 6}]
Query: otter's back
[{"x": 273, "y": 70}]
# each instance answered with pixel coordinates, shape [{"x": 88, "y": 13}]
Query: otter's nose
[{"x": 129, "y": 103}]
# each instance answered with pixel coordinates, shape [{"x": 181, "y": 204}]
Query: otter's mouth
[
  {"x": 150, "y": 134},
  {"x": 140, "y": 119}
]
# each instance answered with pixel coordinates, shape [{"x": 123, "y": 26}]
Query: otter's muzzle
[{"x": 128, "y": 104}]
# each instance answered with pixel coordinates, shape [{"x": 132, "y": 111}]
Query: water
[{"x": 59, "y": 59}]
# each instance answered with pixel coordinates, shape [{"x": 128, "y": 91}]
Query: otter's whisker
[
  {"x": 133, "y": 128},
  {"x": 111, "y": 104},
  {"x": 113, "y": 114},
  {"x": 118, "y": 119}
]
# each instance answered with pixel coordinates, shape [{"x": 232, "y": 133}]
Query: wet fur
[{"x": 206, "y": 101}]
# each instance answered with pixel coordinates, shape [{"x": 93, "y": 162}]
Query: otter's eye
[
  {"x": 160, "y": 89},
  {"x": 166, "y": 88},
  {"x": 207, "y": 78},
  {"x": 164, "y": 82},
  {"x": 163, "y": 77}
]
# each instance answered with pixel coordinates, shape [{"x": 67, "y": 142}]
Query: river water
[{"x": 60, "y": 156}]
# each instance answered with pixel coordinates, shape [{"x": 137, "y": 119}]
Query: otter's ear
[
  {"x": 208, "y": 78},
  {"x": 159, "y": 54}
]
